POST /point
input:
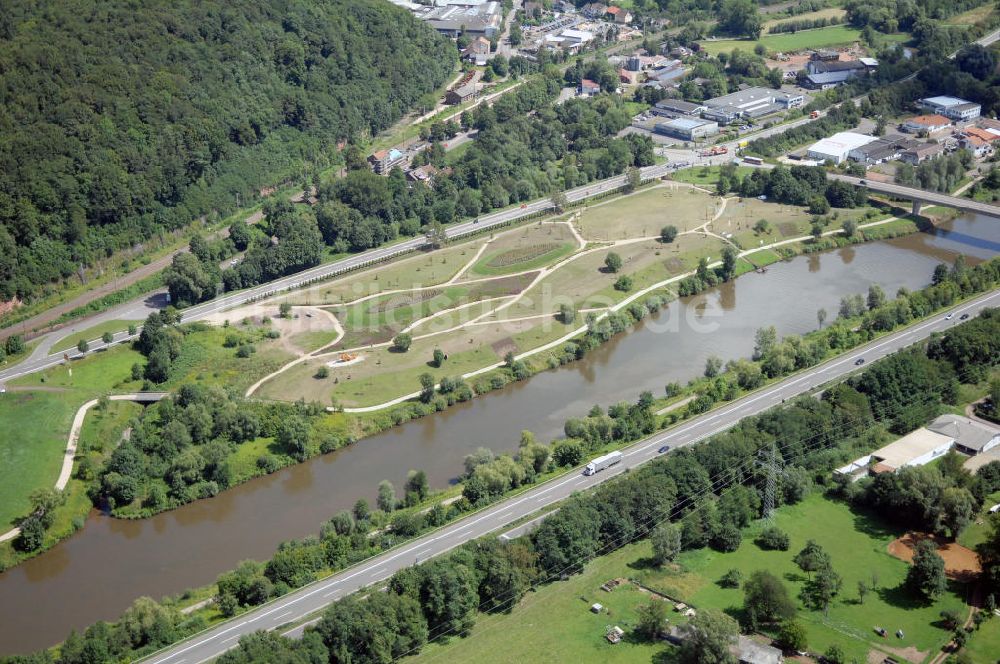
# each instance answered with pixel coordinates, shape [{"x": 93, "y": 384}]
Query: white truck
[{"x": 602, "y": 462}]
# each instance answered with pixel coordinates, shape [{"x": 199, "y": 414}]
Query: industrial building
[
  {"x": 750, "y": 103},
  {"x": 952, "y": 108},
  {"x": 677, "y": 108},
  {"x": 481, "y": 20},
  {"x": 688, "y": 129},
  {"x": 837, "y": 147}
]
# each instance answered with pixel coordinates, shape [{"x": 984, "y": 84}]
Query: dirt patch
[
  {"x": 960, "y": 563},
  {"x": 674, "y": 265},
  {"x": 788, "y": 229},
  {"x": 910, "y": 654},
  {"x": 403, "y": 300},
  {"x": 500, "y": 287},
  {"x": 522, "y": 254},
  {"x": 504, "y": 346}
]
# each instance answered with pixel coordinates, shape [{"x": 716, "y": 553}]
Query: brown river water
[{"x": 99, "y": 571}]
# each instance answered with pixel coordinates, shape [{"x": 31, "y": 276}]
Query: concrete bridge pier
[{"x": 916, "y": 207}]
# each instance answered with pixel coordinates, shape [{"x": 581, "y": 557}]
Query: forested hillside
[{"x": 119, "y": 120}]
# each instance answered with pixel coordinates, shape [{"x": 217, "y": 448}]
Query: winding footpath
[{"x": 66, "y": 472}]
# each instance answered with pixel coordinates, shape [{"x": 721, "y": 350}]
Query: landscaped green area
[
  {"x": 983, "y": 646},
  {"x": 834, "y": 35},
  {"x": 977, "y": 531},
  {"x": 705, "y": 176},
  {"x": 857, "y": 545},
  {"x": 31, "y": 447},
  {"x": 555, "y": 624},
  {"x": 91, "y": 333}
]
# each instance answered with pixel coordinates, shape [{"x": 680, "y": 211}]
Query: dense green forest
[{"x": 120, "y": 120}]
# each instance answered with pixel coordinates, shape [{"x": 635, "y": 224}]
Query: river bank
[{"x": 97, "y": 572}]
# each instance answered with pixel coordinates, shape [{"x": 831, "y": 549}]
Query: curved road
[
  {"x": 308, "y": 600},
  {"x": 39, "y": 360}
]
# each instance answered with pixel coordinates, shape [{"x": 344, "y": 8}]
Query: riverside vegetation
[{"x": 710, "y": 491}]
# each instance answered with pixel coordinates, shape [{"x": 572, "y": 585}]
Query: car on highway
[
  {"x": 858, "y": 362},
  {"x": 475, "y": 221},
  {"x": 862, "y": 182},
  {"x": 665, "y": 448},
  {"x": 963, "y": 317},
  {"x": 949, "y": 316}
]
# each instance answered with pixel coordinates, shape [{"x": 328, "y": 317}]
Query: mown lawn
[
  {"x": 834, "y": 35},
  {"x": 31, "y": 447},
  {"x": 91, "y": 333},
  {"x": 979, "y": 529},
  {"x": 555, "y": 625},
  {"x": 984, "y": 644},
  {"x": 857, "y": 545}
]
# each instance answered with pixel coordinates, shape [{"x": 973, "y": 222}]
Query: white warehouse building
[{"x": 837, "y": 147}]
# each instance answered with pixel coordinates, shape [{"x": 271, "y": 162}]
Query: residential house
[
  {"x": 970, "y": 436},
  {"x": 619, "y": 15},
  {"x": 478, "y": 47},
  {"x": 588, "y": 88},
  {"x": 980, "y": 142},
  {"x": 920, "y": 154},
  {"x": 594, "y": 10},
  {"x": 926, "y": 123},
  {"x": 425, "y": 174},
  {"x": 461, "y": 94},
  {"x": 952, "y": 108},
  {"x": 383, "y": 161}
]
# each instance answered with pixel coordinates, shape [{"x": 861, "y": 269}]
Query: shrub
[{"x": 773, "y": 539}]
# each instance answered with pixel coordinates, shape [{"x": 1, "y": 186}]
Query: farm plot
[{"x": 523, "y": 249}]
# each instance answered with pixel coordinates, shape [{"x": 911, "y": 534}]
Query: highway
[
  {"x": 485, "y": 222},
  {"x": 306, "y": 601}
]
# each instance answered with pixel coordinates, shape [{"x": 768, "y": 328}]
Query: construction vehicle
[
  {"x": 347, "y": 357},
  {"x": 714, "y": 150}
]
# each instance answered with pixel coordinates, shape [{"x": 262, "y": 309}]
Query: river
[{"x": 99, "y": 571}]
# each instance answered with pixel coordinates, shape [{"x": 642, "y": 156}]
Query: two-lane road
[
  {"x": 308, "y": 600},
  {"x": 39, "y": 361}
]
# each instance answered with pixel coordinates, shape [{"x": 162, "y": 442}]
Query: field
[
  {"x": 973, "y": 16},
  {"x": 857, "y": 544},
  {"x": 828, "y": 12},
  {"x": 983, "y": 646},
  {"x": 834, "y": 35},
  {"x": 643, "y": 214},
  {"x": 31, "y": 457},
  {"x": 555, "y": 625},
  {"x": 91, "y": 333},
  {"x": 705, "y": 176},
  {"x": 558, "y": 613}
]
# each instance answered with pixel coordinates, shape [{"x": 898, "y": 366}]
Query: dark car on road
[
  {"x": 963, "y": 317},
  {"x": 858, "y": 362},
  {"x": 665, "y": 448}
]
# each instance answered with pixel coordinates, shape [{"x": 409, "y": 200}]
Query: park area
[
  {"x": 786, "y": 42},
  {"x": 479, "y": 300},
  {"x": 857, "y": 544}
]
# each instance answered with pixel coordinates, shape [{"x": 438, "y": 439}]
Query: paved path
[
  {"x": 74, "y": 437},
  {"x": 306, "y": 601},
  {"x": 322, "y": 272}
]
